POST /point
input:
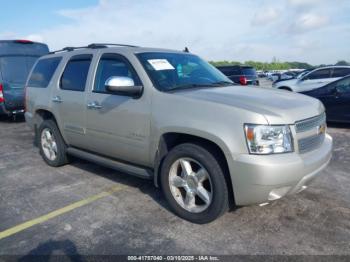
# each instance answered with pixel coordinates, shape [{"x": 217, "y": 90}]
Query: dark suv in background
[
  {"x": 243, "y": 75},
  {"x": 16, "y": 59}
]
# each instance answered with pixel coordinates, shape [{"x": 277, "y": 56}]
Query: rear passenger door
[
  {"x": 69, "y": 100},
  {"x": 120, "y": 127}
]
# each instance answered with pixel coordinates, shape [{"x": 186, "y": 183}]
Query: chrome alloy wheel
[
  {"x": 190, "y": 185},
  {"x": 49, "y": 144}
]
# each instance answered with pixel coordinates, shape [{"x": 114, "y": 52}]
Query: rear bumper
[
  {"x": 5, "y": 111},
  {"x": 259, "y": 179}
]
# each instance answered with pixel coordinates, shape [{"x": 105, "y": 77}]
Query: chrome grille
[
  {"x": 307, "y": 124},
  {"x": 310, "y": 143}
]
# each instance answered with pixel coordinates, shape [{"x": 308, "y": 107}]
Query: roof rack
[
  {"x": 107, "y": 44},
  {"x": 91, "y": 46}
]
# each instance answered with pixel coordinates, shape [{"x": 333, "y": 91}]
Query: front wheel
[{"x": 194, "y": 184}]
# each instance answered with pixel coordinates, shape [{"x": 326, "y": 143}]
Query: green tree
[{"x": 342, "y": 63}]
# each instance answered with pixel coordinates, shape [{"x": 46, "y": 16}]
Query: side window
[
  {"x": 340, "y": 72},
  {"x": 113, "y": 65},
  {"x": 43, "y": 72},
  {"x": 343, "y": 86},
  {"x": 76, "y": 72},
  {"x": 319, "y": 74}
]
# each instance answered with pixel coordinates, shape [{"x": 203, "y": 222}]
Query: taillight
[
  {"x": 23, "y": 41},
  {"x": 2, "y": 99},
  {"x": 243, "y": 80}
]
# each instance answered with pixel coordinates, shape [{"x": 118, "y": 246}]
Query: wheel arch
[
  {"x": 169, "y": 140},
  {"x": 40, "y": 115}
]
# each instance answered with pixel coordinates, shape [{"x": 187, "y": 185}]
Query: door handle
[
  {"x": 57, "y": 99},
  {"x": 93, "y": 105}
]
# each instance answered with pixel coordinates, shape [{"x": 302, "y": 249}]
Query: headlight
[{"x": 264, "y": 140}]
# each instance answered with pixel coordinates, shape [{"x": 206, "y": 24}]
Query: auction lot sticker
[{"x": 160, "y": 64}]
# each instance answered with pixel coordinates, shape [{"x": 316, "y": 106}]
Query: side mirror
[{"x": 123, "y": 86}]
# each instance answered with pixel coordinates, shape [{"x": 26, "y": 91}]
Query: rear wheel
[
  {"x": 51, "y": 144},
  {"x": 193, "y": 183}
]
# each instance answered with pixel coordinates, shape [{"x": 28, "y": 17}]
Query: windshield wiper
[
  {"x": 188, "y": 86},
  {"x": 224, "y": 83},
  {"x": 208, "y": 85}
]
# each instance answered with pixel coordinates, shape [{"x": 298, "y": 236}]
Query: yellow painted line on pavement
[{"x": 16, "y": 229}]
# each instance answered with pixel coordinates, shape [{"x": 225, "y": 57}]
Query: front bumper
[{"x": 259, "y": 179}]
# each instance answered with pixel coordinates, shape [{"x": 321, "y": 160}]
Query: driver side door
[{"x": 119, "y": 126}]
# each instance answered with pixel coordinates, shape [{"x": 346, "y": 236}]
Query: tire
[
  {"x": 205, "y": 207},
  {"x": 60, "y": 157}
]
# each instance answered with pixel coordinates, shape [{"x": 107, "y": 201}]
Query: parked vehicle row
[
  {"x": 335, "y": 97},
  {"x": 172, "y": 117},
  {"x": 313, "y": 79},
  {"x": 16, "y": 60}
]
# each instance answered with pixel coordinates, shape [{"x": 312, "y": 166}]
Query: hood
[{"x": 277, "y": 106}]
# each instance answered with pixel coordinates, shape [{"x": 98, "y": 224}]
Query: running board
[{"x": 141, "y": 172}]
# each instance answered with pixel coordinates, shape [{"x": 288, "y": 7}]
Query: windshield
[
  {"x": 249, "y": 71},
  {"x": 175, "y": 71},
  {"x": 301, "y": 74}
]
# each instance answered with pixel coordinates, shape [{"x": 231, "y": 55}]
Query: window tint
[
  {"x": 113, "y": 65},
  {"x": 319, "y": 74},
  {"x": 343, "y": 86},
  {"x": 43, "y": 72},
  {"x": 341, "y": 72},
  {"x": 15, "y": 69},
  {"x": 76, "y": 72}
]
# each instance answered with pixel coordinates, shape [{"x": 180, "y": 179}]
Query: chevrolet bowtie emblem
[{"x": 321, "y": 129}]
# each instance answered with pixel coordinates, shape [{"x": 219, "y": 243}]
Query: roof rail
[{"x": 92, "y": 46}]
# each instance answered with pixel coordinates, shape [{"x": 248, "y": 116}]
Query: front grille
[
  {"x": 308, "y": 124},
  {"x": 310, "y": 143}
]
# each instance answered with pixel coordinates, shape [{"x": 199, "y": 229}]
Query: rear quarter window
[{"x": 43, "y": 72}]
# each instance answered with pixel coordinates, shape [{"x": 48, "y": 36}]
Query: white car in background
[{"x": 313, "y": 79}]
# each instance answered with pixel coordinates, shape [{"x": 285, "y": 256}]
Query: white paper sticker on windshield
[{"x": 161, "y": 64}]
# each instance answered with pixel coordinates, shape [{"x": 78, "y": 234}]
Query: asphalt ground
[{"x": 86, "y": 209}]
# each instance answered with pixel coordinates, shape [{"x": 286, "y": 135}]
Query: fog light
[{"x": 278, "y": 193}]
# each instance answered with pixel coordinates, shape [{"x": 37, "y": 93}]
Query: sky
[{"x": 313, "y": 31}]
